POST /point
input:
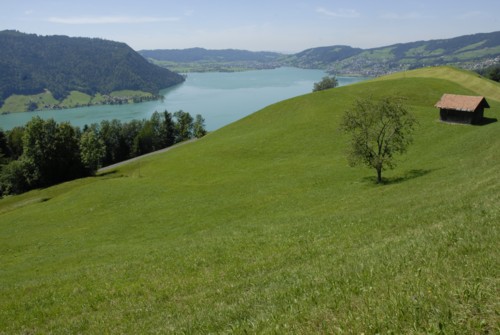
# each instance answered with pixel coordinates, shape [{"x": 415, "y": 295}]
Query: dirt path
[{"x": 109, "y": 167}]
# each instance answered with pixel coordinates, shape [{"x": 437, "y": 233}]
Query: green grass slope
[
  {"x": 468, "y": 79},
  {"x": 261, "y": 227}
]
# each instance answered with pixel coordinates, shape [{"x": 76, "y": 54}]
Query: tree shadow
[
  {"x": 409, "y": 175},
  {"x": 107, "y": 173}
]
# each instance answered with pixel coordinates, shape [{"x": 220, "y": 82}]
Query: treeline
[
  {"x": 44, "y": 152},
  {"x": 491, "y": 72}
]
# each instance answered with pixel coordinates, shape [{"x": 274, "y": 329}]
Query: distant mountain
[
  {"x": 200, "y": 54},
  {"x": 320, "y": 57},
  {"x": 471, "y": 52},
  {"x": 30, "y": 64},
  {"x": 201, "y": 60}
]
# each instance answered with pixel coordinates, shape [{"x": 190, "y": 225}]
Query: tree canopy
[{"x": 326, "y": 83}]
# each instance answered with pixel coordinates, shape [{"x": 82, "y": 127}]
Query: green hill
[
  {"x": 261, "y": 227},
  {"x": 31, "y": 64}
]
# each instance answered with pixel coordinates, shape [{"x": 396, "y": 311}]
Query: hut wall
[
  {"x": 478, "y": 115},
  {"x": 451, "y": 115}
]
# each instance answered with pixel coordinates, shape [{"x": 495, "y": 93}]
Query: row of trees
[{"x": 45, "y": 153}]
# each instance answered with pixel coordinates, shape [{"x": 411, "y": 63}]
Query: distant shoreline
[{"x": 40, "y": 102}]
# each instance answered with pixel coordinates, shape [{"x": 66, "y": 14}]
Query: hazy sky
[{"x": 275, "y": 25}]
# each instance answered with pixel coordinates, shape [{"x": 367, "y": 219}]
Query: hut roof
[{"x": 465, "y": 103}]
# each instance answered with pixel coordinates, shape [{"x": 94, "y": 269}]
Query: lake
[{"x": 221, "y": 98}]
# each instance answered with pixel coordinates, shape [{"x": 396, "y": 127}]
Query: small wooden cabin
[{"x": 462, "y": 108}]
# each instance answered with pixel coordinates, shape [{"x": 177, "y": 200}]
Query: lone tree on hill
[
  {"x": 379, "y": 131},
  {"x": 326, "y": 83}
]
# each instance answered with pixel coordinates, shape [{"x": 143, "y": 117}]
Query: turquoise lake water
[{"x": 221, "y": 98}]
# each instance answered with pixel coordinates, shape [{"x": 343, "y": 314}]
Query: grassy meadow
[
  {"x": 262, "y": 227},
  {"x": 20, "y": 103}
]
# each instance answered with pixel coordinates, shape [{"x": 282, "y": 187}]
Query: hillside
[
  {"x": 261, "y": 227},
  {"x": 469, "y": 52},
  {"x": 31, "y": 64},
  {"x": 322, "y": 57}
]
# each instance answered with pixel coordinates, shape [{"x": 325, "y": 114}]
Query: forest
[{"x": 45, "y": 153}]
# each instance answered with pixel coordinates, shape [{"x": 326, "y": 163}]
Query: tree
[
  {"x": 168, "y": 129},
  {"x": 4, "y": 148},
  {"x": 3, "y": 159},
  {"x": 199, "y": 126},
  {"x": 144, "y": 141},
  {"x": 67, "y": 161},
  {"x": 184, "y": 126},
  {"x": 379, "y": 130},
  {"x": 92, "y": 150},
  {"x": 15, "y": 142},
  {"x": 51, "y": 151},
  {"x": 13, "y": 178},
  {"x": 112, "y": 135},
  {"x": 326, "y": 83},
  {"x": 494, "y": 73},
  {"x": 39, "y": 151},
  {"x": 129, "y": 132},
  {"x": 155, "y": 124},
  {"x": 491, "y": 72}
]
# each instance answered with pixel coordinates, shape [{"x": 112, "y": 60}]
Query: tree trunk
[{"x": 379, "y": 175}]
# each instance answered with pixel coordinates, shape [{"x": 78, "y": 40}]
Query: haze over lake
[{"x": 221, "y": 98}]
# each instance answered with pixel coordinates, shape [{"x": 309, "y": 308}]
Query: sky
[{"x": 273, "y": 25}]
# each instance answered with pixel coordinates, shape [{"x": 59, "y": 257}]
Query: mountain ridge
[
  {"x": 466, "y": 51},
  {"x": 208, "y": 60}
]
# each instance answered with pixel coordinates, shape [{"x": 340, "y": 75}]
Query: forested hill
[{"x": 29, "y": 64}]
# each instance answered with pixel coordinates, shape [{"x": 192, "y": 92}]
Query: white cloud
[
  {"x": 110, "y": 19},
  {"x": 345, "y": 13}
]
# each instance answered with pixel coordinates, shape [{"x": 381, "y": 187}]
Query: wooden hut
[{"x": 462, "y": 108}]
